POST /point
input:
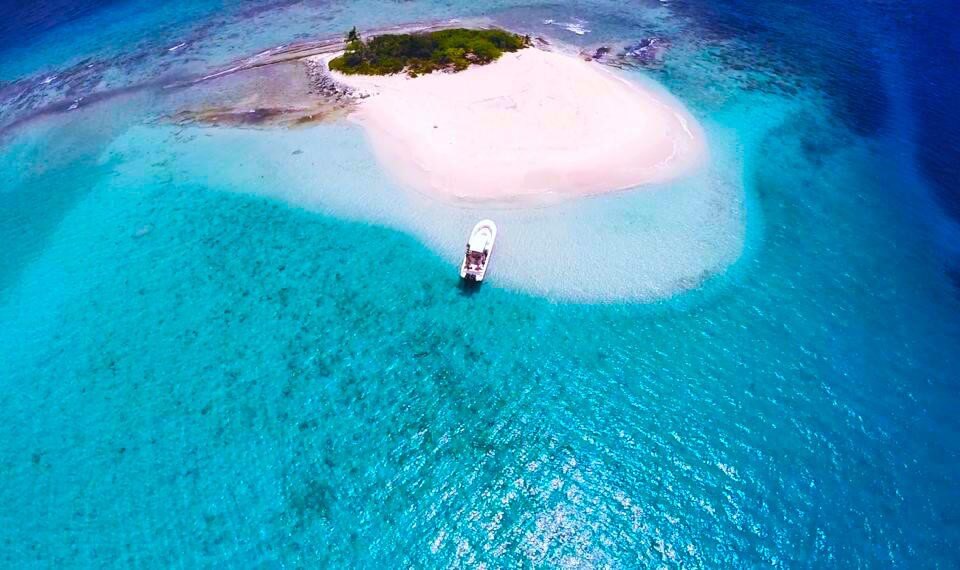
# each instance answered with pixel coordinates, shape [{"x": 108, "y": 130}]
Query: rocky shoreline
[
  {"x": 324, "y": 85},
  {"x": 647, "y": 53}
]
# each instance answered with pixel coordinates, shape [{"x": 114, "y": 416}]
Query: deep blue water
[
  {"x": 853, "y": 43},
  {"x": 933, "y": 85},
  {"x": 23, "y": 22},
  {"x": 195, "y": 371}
]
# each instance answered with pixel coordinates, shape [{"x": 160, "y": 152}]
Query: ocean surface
[{"x": 245, "y": 347}]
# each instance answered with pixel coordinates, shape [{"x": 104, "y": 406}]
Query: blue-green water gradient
[{"x": 193, "y": 374}]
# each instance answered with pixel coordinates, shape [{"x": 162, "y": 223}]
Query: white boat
[{"x": 479, "y": 247}]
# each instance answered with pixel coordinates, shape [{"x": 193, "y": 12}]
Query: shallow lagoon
[{"x": 196, "y": 369}]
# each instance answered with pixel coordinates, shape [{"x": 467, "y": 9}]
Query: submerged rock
[
  {"x": 648, "y": 51},
  {"x": 598, "y": 54}
]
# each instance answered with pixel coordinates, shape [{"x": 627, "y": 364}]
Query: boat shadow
[{"x": 468, "y": 288}]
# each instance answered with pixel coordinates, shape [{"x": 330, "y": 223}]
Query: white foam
[{"x": 577, "y": 26}]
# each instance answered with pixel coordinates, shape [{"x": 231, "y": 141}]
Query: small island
[
  {"x": 510, "y": 122},
  {"x": 425, "y": 52}
]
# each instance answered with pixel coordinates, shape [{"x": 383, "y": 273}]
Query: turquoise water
[{"x": 199, "y": 368}]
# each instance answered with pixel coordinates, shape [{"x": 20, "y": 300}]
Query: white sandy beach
[{"x": 534, "y": 124}]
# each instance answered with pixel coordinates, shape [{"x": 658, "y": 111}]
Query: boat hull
[{"x": 476, "y": 260}]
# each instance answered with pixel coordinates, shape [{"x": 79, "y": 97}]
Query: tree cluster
[{"x": 422, "y": 53}]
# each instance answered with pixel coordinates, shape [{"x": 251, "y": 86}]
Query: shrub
[{"x": 424, "y": 52}]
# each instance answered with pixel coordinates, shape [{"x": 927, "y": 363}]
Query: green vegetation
[{"x": 427, "y": 52}]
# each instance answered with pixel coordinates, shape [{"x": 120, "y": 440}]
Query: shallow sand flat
[
  {"x": 643, "y": 245},
  {"x": 534, "y": 124}
]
